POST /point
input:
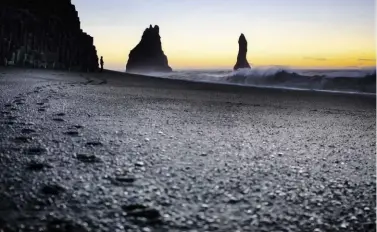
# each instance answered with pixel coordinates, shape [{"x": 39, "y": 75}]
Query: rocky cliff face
[
  {"x": 242, "y": 51},
  {"x": 148, "y": 56},
  {"x": 44, "y": 34}
]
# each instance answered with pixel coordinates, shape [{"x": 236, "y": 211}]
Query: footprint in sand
[
  {"x": 35, "y": 151},
  {"x": 58, "y": 119},
  {"x": 6, "y": 112},
  {"x": 9, "y": 122},
  {"x": 87, "y": 158},
  {"x": 23, "y": 139},
  {"x": 78, "y": 126},
  {"x": 72, "y": 133},
  {"x": 28, "y": 131},
  {"x": 12, "y": 117},
  {"x": 37, "y": 166},
  {"x": 94, "y": 144},
  {"x": 52, "y": 189},
  {"x": 19, "y": 101}
]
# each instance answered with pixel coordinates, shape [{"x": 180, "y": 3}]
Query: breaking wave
[{"x": 348, "y": 80}]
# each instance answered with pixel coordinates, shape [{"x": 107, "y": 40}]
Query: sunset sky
[{"x": 204, "y": 34}]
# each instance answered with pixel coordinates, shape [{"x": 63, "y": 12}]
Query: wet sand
[{"x": 118, "y": 152}]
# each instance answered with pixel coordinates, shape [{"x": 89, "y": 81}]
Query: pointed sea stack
[
  {"x": 242, "y": 50},
  {"x": 148, "y": 56},
  {"x": 44, "y": 34}
]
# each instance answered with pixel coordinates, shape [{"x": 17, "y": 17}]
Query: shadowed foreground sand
[{"x": 119, "y": 152}]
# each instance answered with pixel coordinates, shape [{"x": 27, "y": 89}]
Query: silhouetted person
[{"x": 101, "y": 63}]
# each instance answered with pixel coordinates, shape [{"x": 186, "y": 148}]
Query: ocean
[{"x": 347, "y": 80}]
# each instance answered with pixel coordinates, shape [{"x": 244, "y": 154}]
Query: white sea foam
[{"x": 280, "y": 77}]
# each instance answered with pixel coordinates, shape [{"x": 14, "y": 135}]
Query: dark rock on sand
[
  {"x": 148, "y": 55},
  {"x": 44, "y": 34},
  {"x": 242, "y": 51}
]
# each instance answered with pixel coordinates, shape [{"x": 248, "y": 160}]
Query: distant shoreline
[
  {"x": 202, "y": 85},
  {"x": 118, "y": 78}
]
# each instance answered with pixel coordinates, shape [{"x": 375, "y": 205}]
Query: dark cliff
[
  {"x": 148, "y": 55},
  {"x": 44, "y": 34},
  {"x": 242, "y": 51}
]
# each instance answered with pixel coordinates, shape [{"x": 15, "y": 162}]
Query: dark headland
[
  {"x": 113, "y": 151},
  {"x": 44, "y": 34}
]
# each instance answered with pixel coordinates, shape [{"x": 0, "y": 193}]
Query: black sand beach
[{"x": 120, "y": 152}]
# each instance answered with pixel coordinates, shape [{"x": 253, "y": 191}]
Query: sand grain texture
[{"x": 162, "y": 155}]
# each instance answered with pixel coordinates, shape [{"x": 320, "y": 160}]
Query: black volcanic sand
[{"x": 117, "y": 152}]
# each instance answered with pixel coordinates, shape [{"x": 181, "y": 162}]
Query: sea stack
[
  {"x": 44, "y": 34},
  {"x": 148, "y": 56},
  {"x": 242, "y": 51}
]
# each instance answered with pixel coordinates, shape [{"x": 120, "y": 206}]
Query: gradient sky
[{"x": 204, "y": 34}]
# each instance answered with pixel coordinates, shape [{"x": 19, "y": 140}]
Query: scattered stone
[
  {"x": 40, "y": 103},
  {"x": 41, "y": 109},
  {"x": 52, "y": 189},
  {"x": 87, "y": 158},
  {"x": 8, "y": 105},
  {"x": 60, "y": 114}
]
